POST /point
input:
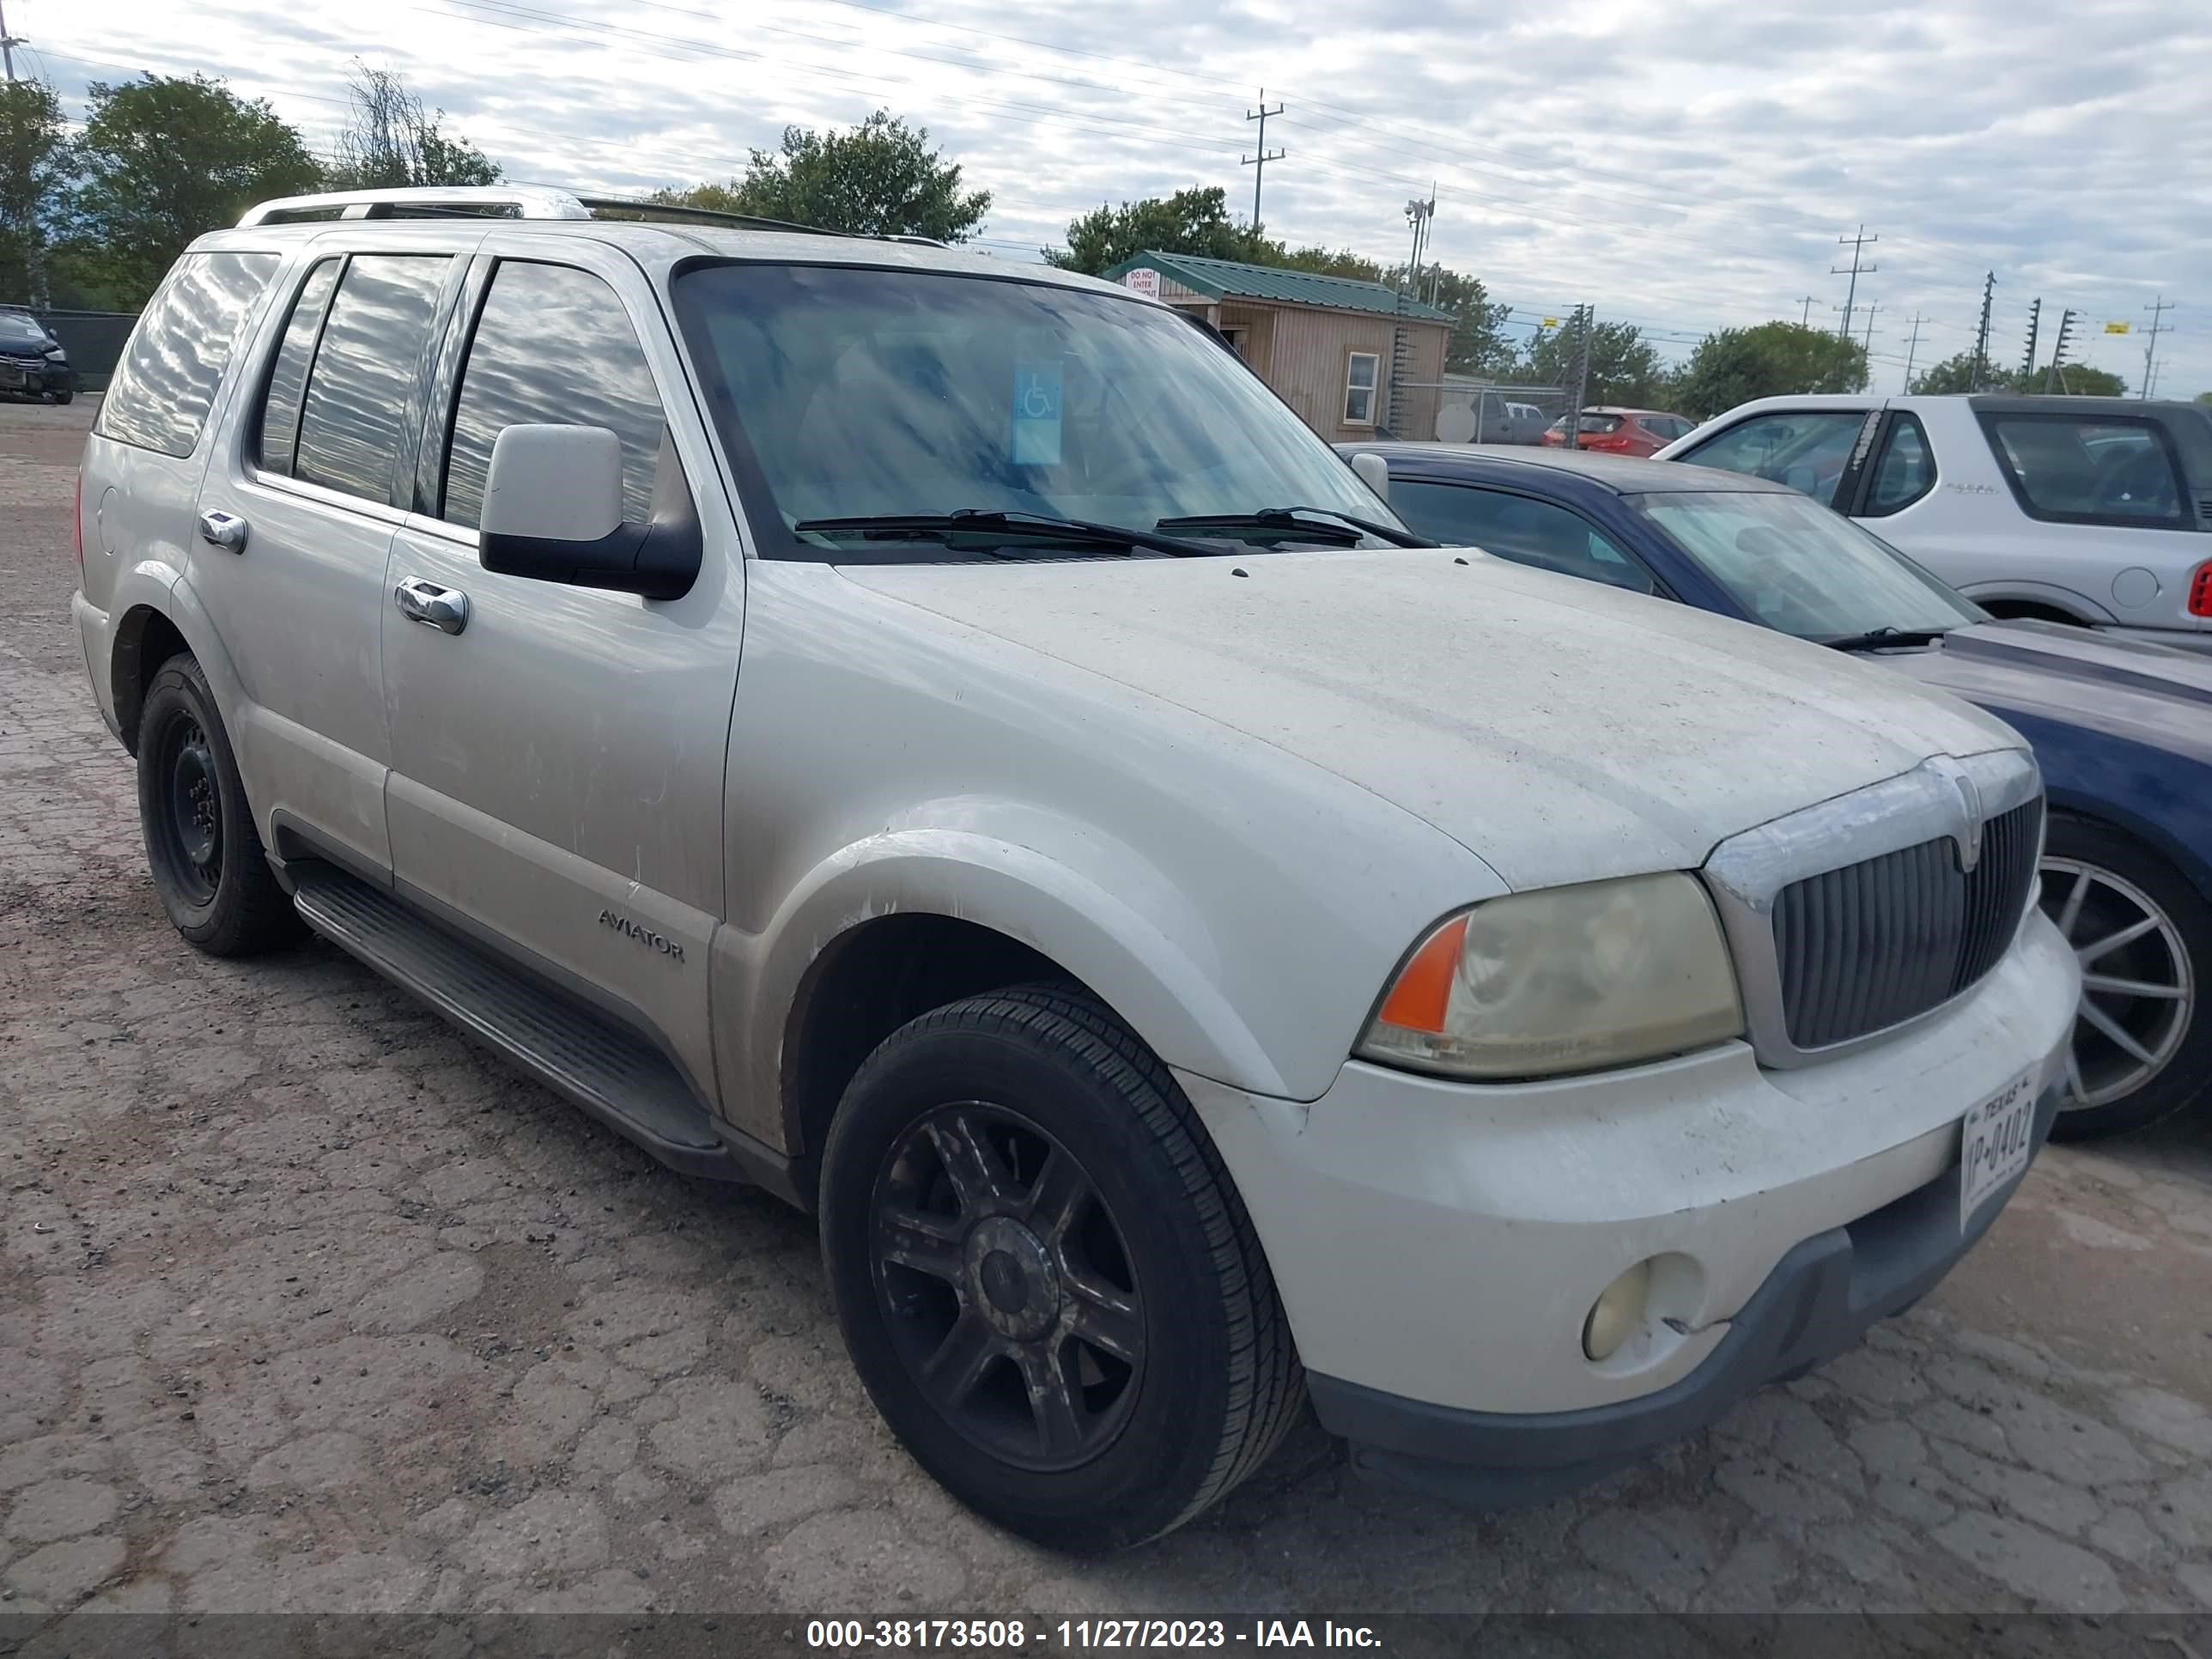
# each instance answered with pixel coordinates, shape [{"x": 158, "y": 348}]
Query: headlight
[
  {"x": 57, "y": 355},
  {"x": 1564, "y": 979}
]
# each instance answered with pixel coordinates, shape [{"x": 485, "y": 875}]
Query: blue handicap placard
[{"x": 1036, "y": 413}]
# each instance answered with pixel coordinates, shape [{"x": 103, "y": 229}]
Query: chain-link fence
[
  {"x": 1471, "y": 410},
  {"x": 93, "y": 340}
]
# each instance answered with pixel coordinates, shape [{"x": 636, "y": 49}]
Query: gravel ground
[{"x": 307, "y": 1305}]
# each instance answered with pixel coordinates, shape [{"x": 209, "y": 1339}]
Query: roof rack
[{"x": 512, "y": 202}]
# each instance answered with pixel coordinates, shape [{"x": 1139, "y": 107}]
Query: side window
[
  {"x": 353, "y": 412},
  {"x": 1807, "y": 449},
  {"x": 163, "y": 388},
  {"x": 552, "y": 346},
  {"x": 1516, "y": 527},
  {"x": 1905, "y": 472},
  {"x": 2079, "y": 469},
  {"x": 279, "y": 436},
  {"x": 1359, "y": 372}
]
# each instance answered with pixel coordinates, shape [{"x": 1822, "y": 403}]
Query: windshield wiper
[
  {"x": 1307, "y": 521},
  {"x": 970, "y": 520},
  {"x": 1875, "y": 639}
]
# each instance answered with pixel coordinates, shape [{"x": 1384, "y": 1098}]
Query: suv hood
[{"x": 1559, "y": 731}]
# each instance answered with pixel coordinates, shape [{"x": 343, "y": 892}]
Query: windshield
[
  {"x": 843, "y": 392},
  {"x": 1799, "y": 568},
  {"x": 14, "y": 326}
]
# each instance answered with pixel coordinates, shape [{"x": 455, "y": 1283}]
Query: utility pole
[
  {"x": 1982, "y": 335},
  {"x": 2150, "y": 352},
  {"x": 1912, "y": 351},
  {"x": 2027, "y": 364},
  {"x": 7, "y": 44},
  {"x": 1857, "y": 244},
  {"x": 1870, "y": 311},
  {"x": 1418, "y": 214},
  {"x": 1583, "y": 319},
  {"x": 2057, "y": 377},
  {"x": 1805, "y": 320},
  {"x": 1259, "y": 163}
]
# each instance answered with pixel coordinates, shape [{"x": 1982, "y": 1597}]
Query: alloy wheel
[
  {"x": 2138, "y": 989},
  {"x": 1008, "y": 1286}
]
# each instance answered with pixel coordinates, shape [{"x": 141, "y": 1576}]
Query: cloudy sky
[{"x": 1681, "y": 164}]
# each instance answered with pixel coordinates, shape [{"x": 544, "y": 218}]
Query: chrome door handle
[
  {"x": 223, "y": 529},
  {"x": 446, "y": 609}
]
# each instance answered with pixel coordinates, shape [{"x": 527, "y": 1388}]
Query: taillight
[
  {"x": 2200, "y": 591},
  {"x": 76, "y": 519}
]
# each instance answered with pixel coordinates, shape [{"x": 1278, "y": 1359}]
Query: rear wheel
[
  {"x": 2141, "y": 1049},
  {"x": 64, "y": 397},
  {"x": 1045, "y": 1278},
  {"x": 205, "y": 854}
]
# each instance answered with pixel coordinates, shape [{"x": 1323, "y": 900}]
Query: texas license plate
[{"x": 1999, "y": 1137}]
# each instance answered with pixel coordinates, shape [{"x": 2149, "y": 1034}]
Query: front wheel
[
  {"x": 2141, "y": 1049},
  {"x": 1046, "y": 1278}
]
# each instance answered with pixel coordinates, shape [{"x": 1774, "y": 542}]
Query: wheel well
[
  {"x": 2031, "y": 611},
  {"x": 144, "y": 639},
  {"x": 869, "y": 982}
]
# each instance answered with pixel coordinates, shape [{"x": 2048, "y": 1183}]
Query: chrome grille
[{"x": 1875, "y": 943}]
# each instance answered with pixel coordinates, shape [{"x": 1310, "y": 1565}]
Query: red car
[{"x": 1642, "y": 432}]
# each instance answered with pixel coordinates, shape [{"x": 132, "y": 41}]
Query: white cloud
[{"x": 1683, "y": 164}]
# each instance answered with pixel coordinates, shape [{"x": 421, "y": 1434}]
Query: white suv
[
  {"x": 2094, "y": 511},
  {"x": 937, "y": 739}
]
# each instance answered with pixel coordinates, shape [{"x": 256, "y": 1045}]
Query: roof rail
[
  {"x": 422, "y": 201},
  {"x": 513, "y": 201}
]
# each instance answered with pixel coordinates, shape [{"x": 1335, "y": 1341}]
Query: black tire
[
  {"x": 2124, "y": 873},
  {"x": 64, "y": 397},
  {"x": 1216, "y": 1381},
  {"x": 206, "y": 856}
]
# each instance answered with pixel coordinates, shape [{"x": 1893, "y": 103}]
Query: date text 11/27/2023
[{"x": 1081, "y": 1635}]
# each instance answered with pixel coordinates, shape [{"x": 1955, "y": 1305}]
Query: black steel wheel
[
  {"x": 201, "y": 844},
  {"x": 2141, "y": 1047},
  {"x": 1044, "y": 1275}
]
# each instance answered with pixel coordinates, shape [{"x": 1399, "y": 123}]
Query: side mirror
[
  {"x": 1375, "y": 472},
  {"x": 553, "y": 512}
]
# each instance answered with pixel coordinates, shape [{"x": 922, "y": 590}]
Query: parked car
[
  {"x": 940, "y": 740},
  {"x": 31, "y": 361},
  {"x": 2124, "y": 730},
  {"x": 1610, "y": 431},
  {"x": 1490, "y": 416},
  {"x": 2095, "y": 511}
]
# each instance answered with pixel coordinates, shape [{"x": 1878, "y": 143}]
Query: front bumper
[
  {"x": 1818, "y": 1301},
  {"x": 39, "y": 376},
  {"x": 1437, "y": 1246}
]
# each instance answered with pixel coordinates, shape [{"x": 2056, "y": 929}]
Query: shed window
[{"x": 1359, "y": 374}]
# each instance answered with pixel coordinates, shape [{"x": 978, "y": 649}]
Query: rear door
[
  {"x": 557, "y": 781},
  {"x": 307, "y": 491}
]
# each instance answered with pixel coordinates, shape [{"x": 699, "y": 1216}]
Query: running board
[{"x": 601, "y": 1064}]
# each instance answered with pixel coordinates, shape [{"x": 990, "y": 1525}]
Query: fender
[
  {"x": 1131, "y": 938},
  {"x": 2033, "y": 592}
]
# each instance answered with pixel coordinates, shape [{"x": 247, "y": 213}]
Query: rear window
[
  {"x": 2089, "y": 469},
  {"x": 163, "y": 388}
]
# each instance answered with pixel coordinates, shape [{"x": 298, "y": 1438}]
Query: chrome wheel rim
[
  {"x": 1007, "y": 1286},
  {"x": 2138, "y": 989}
]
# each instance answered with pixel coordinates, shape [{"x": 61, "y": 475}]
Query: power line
[
  {"x": 1259, "y": 163},
  {"x": 1858, "y": 245}
]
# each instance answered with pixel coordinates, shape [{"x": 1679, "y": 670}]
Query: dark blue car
[{"x": 2123, "y": 731}]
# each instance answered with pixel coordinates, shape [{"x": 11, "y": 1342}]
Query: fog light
[{"x": 1617, "y": 1313}]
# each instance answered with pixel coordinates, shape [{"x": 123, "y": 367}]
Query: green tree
[
  {"x": 35, "y": 164},
  {"x": 1956, "y": 374},
  {"x": 164, "y": 158},
  {"x": 1194, "y": 220},
  {"x": 391, "y": 140},
  {"x": 2205, "y": 397},
  {"x": 1478, "y": 344},
  {"x": 1323, "y": 262},
  {"x": 1622, "y": 367},
  {"x": 1735, "y": 365},
  {"x": 882, "y": 179}
]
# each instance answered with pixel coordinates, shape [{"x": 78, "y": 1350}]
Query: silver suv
[{"x": 938, "y": 739}]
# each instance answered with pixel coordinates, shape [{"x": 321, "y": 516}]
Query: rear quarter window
[
  {"x": 2090, "y": 469},
  {"x": 163, "y": 388}
]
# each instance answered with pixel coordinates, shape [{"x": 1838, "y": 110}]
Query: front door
[{"x": 557, "y": 751}]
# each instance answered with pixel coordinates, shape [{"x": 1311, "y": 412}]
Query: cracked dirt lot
[{"x": 305, "y": 1303}]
